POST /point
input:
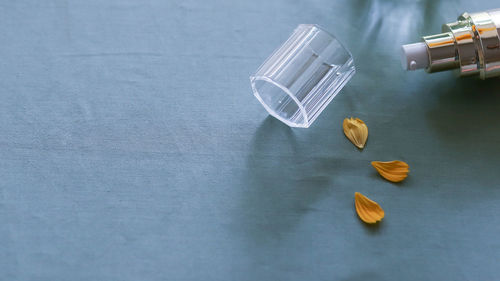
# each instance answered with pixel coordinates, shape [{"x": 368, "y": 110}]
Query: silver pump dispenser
[{"x": 471, "y": 45}]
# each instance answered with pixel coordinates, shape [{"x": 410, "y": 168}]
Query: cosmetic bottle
[{"x": 470, "y": 45}]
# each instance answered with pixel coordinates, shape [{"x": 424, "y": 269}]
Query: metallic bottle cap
[{"x": 471, "y": 45}]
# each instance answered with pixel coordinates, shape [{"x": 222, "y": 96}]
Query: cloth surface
[{"x": 132, "y": 147}]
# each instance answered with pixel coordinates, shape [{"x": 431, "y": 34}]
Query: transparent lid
[{"x": 302, "y": 76}]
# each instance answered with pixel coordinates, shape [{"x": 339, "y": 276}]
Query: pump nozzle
[
  {"x": 414, "y": 56},
  {"x": 471, "y": 44}
]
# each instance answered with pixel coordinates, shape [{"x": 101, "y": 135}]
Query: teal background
[{"x": 132, "y": 148}]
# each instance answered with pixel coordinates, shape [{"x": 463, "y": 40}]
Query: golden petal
[
  {"x": 368, "y": 211},
  {"x": 356, "y": 131},
  {"x": 394, "y": 171}
]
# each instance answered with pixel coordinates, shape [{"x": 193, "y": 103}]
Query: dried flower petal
[
  {"x": 394, "y": 171},
  {"x": 368, "y": 211},
  {"x": 356, "y": 131}
]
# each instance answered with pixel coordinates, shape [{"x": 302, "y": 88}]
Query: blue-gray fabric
[{"x": 132, "y": 148}]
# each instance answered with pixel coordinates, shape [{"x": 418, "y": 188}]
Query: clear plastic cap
[{"x": 302, "y": 76}]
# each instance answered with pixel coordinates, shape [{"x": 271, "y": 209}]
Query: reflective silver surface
[
  {"x": 442, "y": 52},
  {"x": 489, "y": 54},
  {"x": 471, "y": 44}
]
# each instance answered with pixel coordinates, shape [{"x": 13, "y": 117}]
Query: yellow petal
[
  {"x": 368, "y": 211},
  {"x": 356, "y": 131},
  {"x": 394, "y": 171}
]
